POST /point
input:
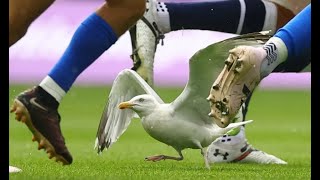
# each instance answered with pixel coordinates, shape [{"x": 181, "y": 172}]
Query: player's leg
[
  {"x": 288, "y": 49},
  {"x": 162, "y": 17},
  {"x": 38, "y": 107},
  {"x": 157, "y": 21},
  {"x": 21, "y": 14},
  {"x": 238, "y": 17}
]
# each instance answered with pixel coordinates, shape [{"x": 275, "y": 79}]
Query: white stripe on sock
[
  {"x": 49, "y": 85},
  {"x": 242, "y": 16},
  {"x": 270, "y": 20}
]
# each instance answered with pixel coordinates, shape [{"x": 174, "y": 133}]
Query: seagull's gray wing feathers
[
  {"x": 114, "y": 121},
  {"x": 205, "y": 66}
]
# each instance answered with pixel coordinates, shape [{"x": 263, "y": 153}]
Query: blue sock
[
  {"x": 296, "y": 35},
  {"x": 223, "y": 16},
  {"x": 91, "y": 39}
]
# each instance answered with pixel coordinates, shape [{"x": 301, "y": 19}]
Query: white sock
[
  {"x": 242, "y": 16},
  {"x": 162, "y": 17},
  {"x": 270, "y": 21},
  {"x": 277, "y": 53},
  {"x": 49, "y": 85}
]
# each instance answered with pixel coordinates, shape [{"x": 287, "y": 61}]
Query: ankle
[
  {"x": 46, "y": 98},
  {"x": 276, "y": 53}
]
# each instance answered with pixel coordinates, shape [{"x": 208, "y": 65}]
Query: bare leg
[
  {"x": 122, "y": 14},
  {"x": 90, "y": 40},
  {"x": 21, "y": 14}
]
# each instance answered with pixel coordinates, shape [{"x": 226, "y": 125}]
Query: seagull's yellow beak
[{"x": 125, "y": 105}]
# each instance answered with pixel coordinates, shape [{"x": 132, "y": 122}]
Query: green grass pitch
[{"x": 282, "y": 127}]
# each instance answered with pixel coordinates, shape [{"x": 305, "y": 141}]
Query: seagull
[{"x": 183, "y": 123}]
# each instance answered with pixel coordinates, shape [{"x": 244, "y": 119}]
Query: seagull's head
[{"x": 142, "y": 104}]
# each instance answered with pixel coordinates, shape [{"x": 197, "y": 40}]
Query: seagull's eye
[{"x": 141, "y": 100}]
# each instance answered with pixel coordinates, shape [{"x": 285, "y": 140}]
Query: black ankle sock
[{"x": 46, "y": 98}]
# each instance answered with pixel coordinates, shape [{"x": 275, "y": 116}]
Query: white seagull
[{"x": 183, "y": 123}]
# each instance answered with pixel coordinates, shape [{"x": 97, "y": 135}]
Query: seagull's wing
[
  {"x": 114, "y": 121},
  {"x": 205, "y": 66}
]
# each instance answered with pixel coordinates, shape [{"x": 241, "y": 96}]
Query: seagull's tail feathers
[{"x": 222, "y": 131}]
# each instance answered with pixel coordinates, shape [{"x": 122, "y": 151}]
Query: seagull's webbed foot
[{"x": 164, "y": 157}]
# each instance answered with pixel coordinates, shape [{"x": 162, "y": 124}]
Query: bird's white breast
[{"x": 173, "y": 130}]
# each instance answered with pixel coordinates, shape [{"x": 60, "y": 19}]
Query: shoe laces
[{"x": 160, "y": 35}]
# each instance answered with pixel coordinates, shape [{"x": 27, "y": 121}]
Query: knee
[
  {"x": 18, "y": 24},
  {"x": 138, "y": 9},
  {"x": 133, "y": 8}
]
